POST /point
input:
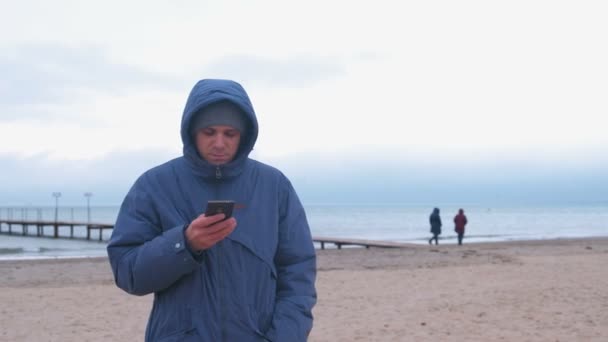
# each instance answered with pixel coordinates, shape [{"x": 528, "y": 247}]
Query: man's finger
[
  {"x": 214, "y": 218},
  {"x": 220, "y": 234}
]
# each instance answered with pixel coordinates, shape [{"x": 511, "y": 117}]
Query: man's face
[{"x": 218, "y": 144}]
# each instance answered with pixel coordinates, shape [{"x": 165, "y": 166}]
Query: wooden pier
[
  {"x": 25, "y": 226},
  {"x": 55, "y": 225},
  {"x": 339, "y": 242}
]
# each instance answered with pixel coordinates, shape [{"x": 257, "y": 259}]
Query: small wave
[
  {"x": 452, "y": 236},
  {"x": 488, "y": 236},
  {"x": 46, "y": 249},
  {"x": 14, "y": 250}
]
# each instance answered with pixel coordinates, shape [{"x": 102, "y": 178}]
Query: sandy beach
[{"x": 553, "y": 290}]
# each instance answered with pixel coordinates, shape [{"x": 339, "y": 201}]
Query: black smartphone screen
[{"x": 219, "y": 207}]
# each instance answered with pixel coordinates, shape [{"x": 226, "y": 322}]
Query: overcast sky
[{"x": 383, "y": 100}]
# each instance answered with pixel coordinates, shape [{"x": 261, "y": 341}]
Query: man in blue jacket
[{"x": 247, "y": 278}]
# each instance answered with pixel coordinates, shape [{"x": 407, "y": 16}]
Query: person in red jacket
[{"x": 460, "y": 221}]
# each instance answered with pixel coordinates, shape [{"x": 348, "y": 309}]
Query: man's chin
[{"x": 218, "y": 161}]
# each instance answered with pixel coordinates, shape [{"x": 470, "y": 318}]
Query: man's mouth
[{"x": 218, "y": 157}]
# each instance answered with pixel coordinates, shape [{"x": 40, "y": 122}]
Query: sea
[{"x": 391, "y": 222}]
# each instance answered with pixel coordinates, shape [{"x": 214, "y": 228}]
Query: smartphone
[{"x": 219, "y": 207}]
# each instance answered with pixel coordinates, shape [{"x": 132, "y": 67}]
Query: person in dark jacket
[
  {"x": 435, "y": 221},
  {"x": 460, "y": 220},
  {"x": 250, "y": 277}
]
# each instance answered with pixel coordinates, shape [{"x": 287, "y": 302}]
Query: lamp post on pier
[
  {"x": 88, "y": 196},
  {"x": 56, "y": 195}
]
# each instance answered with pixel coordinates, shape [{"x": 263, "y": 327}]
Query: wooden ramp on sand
[{"x": 339, "y": 242}]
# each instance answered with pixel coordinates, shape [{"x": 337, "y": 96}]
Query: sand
[{"x": 552, "y": 290}]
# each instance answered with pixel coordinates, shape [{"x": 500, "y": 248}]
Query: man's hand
[{"x": 206, "y": 231}]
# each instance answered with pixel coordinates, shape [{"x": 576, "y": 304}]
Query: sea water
[{"x": 394, "y": 222}]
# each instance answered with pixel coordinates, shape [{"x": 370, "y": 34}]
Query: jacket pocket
[
  {"x": 170, "y": 323},
  {"x": 260, "y": 320},
  {"x": 189, "y": 335}
]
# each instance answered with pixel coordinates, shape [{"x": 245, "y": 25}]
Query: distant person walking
[
  {"x": 460, "y": 221},
  {"x": 435, "y": 221}
]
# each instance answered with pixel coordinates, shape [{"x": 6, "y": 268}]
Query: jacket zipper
[{"x": 218, "y": 176}]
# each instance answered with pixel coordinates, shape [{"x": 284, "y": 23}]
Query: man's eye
[
  {"x": 208, "y": 131},
  {"x": 232, "y": 134}
]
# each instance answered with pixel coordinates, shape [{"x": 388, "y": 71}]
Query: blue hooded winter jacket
[{"x": 255, "y": 285}]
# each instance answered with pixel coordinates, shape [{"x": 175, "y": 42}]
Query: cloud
[
  {"x": 39, "y": 75},
  {"x": 421, "y": 179},
  {"x": 296, "y": 71},
  {"x": 33, "y": 179},
  {"x": 434, "y": 178}
]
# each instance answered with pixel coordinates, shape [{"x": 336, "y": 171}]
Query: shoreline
[
  {"x": 539, "y": 290},
  {"x": 449, "y": 241}
]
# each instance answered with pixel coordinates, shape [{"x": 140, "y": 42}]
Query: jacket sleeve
[
  {"x": 295, "y": 261},
  {"x": 144, "y": 258}
]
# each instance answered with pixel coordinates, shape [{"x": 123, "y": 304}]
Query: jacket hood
[{"x": 204, "y": 93}]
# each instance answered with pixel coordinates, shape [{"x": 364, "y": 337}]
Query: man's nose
[{"x": 219, "y": 141}]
